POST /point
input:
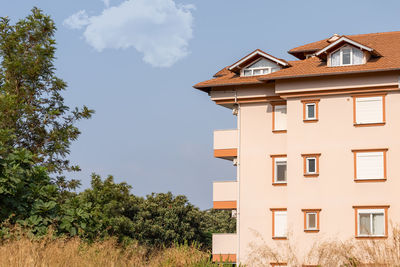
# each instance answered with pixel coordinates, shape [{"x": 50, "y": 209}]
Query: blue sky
[{"x": 135, "y": 61}]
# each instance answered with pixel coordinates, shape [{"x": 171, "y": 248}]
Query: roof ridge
[{"x": 372, "y": 33}]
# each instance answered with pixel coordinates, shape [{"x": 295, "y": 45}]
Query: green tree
[
  {"x": 32, "y": 108},
  {"x": 105, "y": 209},
  {"x": 27, "y": 195}
]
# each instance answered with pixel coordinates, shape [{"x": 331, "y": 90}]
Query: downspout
[{"x": 238, "y": 180}]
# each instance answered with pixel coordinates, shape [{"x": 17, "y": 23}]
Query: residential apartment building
[{"x": 317, "y": 144}]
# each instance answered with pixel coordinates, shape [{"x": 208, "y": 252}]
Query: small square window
[
  {"x": 279, "y": 169},
  {"x": 310, "y": 110},
  {"x": 311, "y": 164},
  {"x": 310, "y": 115},
  {"x": 311, "y": 220}
]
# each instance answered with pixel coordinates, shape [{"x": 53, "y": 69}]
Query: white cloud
[
  {"x": 77, "y": 20},
  {"x": 106, "y": 3},
  {"x": 159, "y": 29}
]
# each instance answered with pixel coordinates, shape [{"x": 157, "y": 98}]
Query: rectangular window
[
  {"x": 370, "y": 164},
  {"x": 369, "y": 110},
  {"x": 311, "y": 164},
  {"x": 279, "y": 223},
  {"x": 279, "y": 118},
  {"x": 371, "y": 221},
  {"x": 310, "y": 110},
  {"x": 311, "y": 220},
  {"x": 346, "y": 56},
  {"x": 279, "y": 169}
]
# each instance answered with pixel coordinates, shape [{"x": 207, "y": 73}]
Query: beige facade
[{"x": 330, "y": 199}]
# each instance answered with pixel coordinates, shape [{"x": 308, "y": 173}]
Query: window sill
[
  {"x": 279, "y": 237},
  {"x": 279, "y": 184},
  {"x": 371, "y": 237},
  {"x": 311, "y": 174},
  {"x": 311, "y": 231},
  {"x": 279, "y": 131},
  {"x": 369, "y": 180},
  {"x": 369, "y": 124},
  {"x": 310, "y": 121}
]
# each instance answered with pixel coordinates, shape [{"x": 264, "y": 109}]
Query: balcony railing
[
  {"x": 224, "y": 247},
  {"x": 225, "y": 195},
  {"x": 225, "y": 144}
]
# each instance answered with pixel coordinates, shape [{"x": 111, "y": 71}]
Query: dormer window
[
  {"x": 347, "y": 55},
  {"x": 260, "y": 67}
]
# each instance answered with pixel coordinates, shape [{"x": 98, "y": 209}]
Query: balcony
[
  {"x": 225, "y": 144},
  {"x": 224, "y": 247},
  {"x": 224, "y": 195}
]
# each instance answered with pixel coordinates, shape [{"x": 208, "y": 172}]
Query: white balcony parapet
[
  {"x": 224, "y": 247},
  {"x": 225, "y": 143},
  {"x": 225, "y": 195}
]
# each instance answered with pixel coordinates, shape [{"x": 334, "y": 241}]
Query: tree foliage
[
  {"x": 32, "y": 108},
  {"x": 36, "y": 130}
]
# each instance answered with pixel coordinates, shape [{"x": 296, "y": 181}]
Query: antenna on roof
[{"x": 333, "y": 38}]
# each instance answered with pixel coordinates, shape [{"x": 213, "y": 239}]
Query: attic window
[
  {"x": 260, "y": 67},
  {"x": 346, "y": 56}
]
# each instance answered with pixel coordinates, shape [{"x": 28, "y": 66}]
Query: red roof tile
[{"x": 387, "y": 43}]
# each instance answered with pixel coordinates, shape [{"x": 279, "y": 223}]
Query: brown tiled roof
[{"x": 387, "y": 43}]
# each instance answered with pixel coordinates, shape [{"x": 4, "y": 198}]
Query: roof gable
[
  {"x": 340, "y": 42},
  {"x": 252, "y": 57}
]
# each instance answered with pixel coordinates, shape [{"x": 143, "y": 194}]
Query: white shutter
[
  {"x": 280, "y": 223},
  {"x": 280, "y": 117},
  {"x": 370, "y": 165},
  {"x": 369, "y": 109}
]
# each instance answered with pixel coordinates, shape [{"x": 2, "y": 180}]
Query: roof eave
[{"x": 267, "y": 79}]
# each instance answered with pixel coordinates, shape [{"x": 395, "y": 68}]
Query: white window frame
[
  {"x": 279, "y": 160},
  {"x": 269, "y": 70},
  {"x": 276, "y": 109},
  {"x": 315, "y": 111},
  {"x": 371, "y": 212},
  {"x": 307, "y": 220},
  {"x": 341, "y": 56},
  {"x": 307, "y": 165}
]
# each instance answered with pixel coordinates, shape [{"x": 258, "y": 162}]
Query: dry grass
[
  {"x": 73, "y": 252},
  {"x": 351, "y": 253}
]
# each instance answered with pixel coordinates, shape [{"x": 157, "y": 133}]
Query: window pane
[
  {"x": 247, "y": 72},
  {"x": 311, "y": 220},
  {"x": 358, "y": 56},
  {"x": 257, "y": 72},
  {"x": 310, "y": 111},
  {"x": 335, "y": 58},
  {"x": 281, "y": 171},
  {"x": 365, "y": 224},
  {"x": 346, "y": 56},
  {"x": 265, "y": 71},
  {"x": 378, "y": 227},
  {"x": 280, "y": 117},
  {"x": 311, "y": 165}
]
